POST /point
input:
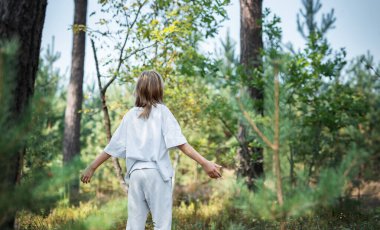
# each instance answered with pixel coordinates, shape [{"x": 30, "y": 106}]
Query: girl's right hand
[
  {"x": 87, "y": 174},
  {"x": 212, "y": 169}
]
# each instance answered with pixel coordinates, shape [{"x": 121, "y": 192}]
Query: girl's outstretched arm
[
  {"x": 211, "y": 168},
  {"x": 89, "y": 171}
]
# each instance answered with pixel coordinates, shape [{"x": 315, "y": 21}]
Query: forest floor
[
  {"x": 368, "y": 193},
  {"x": 201, "y": 205}
]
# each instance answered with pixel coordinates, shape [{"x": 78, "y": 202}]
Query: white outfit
[
  {"x": 148, "y": 191},
  {"x": 143, "y": 165},
  {"x": 146, "y": 144}
]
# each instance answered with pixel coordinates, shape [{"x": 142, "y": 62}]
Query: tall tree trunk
[
  {"x": 251, "y": 42},
  {"x": 22, "y": 20},
  {"x": 71, "y": 139}
]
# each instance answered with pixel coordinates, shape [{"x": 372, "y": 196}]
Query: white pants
[{"x": 149, "y": 192}]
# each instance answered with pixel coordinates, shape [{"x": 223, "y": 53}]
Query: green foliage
[
  {"x": 44, "y": 144},
  {"x": 364, "y": 80},
  {"x": 328, "y": 123},
  {"x": 163, "y": 35},
  {"x": 320, "y": 145},
  {"x": 217, "y": 213},
  {"x": 311, "y": 8},
  {"x": 14, "y": 128},
  {"x": 8, "y": 73},
  {"x": 78, "y": 28},
  {"x": 115, "y": 208},
  {"x": 322, "y": 104},
  {"x": 153, "y": 34},
  {"x": 88, "y": 215},
  {"x": 40, "y": 187}
]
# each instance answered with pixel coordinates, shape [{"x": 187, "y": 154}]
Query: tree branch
[
  {"x": 121, "y": 60},
  {"x": 98, "y": 75},
  {"x": 229, "y": 129},
  {"x": 253, "y": 124},
  {"x": 138, "y": 50}
]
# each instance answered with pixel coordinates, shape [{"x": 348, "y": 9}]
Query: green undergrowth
[{"x": 220, "y": 211}]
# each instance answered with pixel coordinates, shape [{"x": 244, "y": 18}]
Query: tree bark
[
  {"x": 71, "y": 139},
  {"x": 250, "y": 159},
  {"x": 22, "y": 20}
]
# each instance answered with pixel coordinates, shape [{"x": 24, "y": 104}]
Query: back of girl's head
[{"x": 149, "y": 91}]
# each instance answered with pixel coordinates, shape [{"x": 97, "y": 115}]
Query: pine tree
[{"x": 279, "y": 196}]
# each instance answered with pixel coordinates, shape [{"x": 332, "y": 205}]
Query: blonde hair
[{"x": 149, "y": 91}]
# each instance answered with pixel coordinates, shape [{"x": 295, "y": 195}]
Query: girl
[{"x": 144, "y": 137}]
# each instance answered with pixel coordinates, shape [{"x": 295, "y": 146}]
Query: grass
[
  {"x": 217, "y": 214},
  {"x": 218, "y": 211}
]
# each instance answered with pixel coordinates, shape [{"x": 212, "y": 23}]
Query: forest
[{"x": 296, "y": 130}]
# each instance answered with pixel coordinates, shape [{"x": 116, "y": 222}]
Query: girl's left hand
[
  {"x": 212, "y": 169},
  {"x": 86, "y": 176}
]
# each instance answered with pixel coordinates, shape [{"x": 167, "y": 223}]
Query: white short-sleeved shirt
[{"x": 137, "y": 139}]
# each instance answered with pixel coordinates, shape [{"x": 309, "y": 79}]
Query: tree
[
  {"x": 21, "y": 20},
  {"x": 71, "y": 138},
  {"x": 311, "y": 9},
  {"x": 148, "y": 34},
  {"x": 317, "y": 95},
  {"x": 279, "y": 196},
  {"x": 44, "y": 142},
  {"x": 309, "y": 128},
  {"x": 273, "y": 145},
  {"x": 251, "y": 40}
]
